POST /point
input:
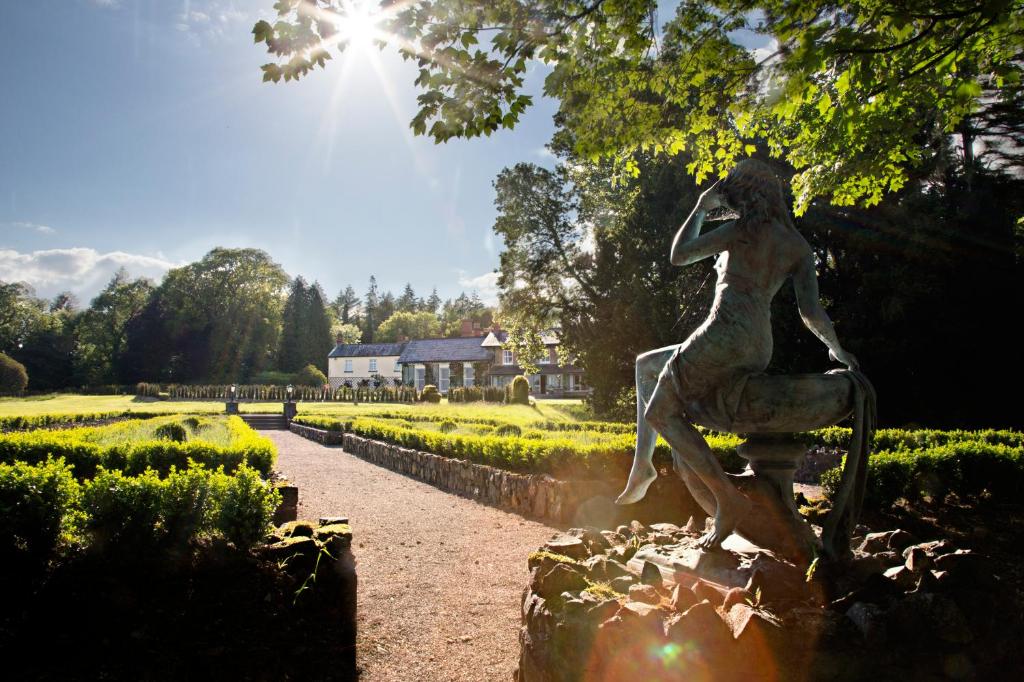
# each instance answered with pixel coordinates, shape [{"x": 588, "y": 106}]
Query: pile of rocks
[{"x": 603, "y": 605}]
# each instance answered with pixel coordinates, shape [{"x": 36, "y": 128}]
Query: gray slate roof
[
  {"x": 366, "y": 350},
  {"x": 466, "y": 349}
]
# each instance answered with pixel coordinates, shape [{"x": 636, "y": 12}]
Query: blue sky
[{"x": 139, "y": 133}]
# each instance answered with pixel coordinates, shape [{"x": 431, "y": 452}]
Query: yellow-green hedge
[{"x": 246, "y": 447}]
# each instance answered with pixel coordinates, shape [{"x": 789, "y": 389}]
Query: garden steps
[{"x": 266, "y": 422}]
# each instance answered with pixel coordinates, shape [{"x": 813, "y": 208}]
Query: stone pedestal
[
  {"x": 290, "y": 410},
  {"x": 774, "y": 521},
  {"x": 231, "y": 407}
]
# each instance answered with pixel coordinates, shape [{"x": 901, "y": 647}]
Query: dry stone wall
[
  {"x": 537, "y": 495},
  {"x": 540, "y": 496}
]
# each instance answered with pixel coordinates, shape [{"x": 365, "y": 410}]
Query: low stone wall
[
  {"x": 540, "y": 496},
  {"x": 319, "y": 435},
  {"x": 537, "y": 495},
  {"x": 288, "y": 510}
]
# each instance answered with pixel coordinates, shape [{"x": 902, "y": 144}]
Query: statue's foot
[
  {"x": 641, "y": 477},
  {"x": 731, "y": 512}
]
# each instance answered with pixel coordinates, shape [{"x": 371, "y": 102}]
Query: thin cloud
[
  {"x": 82, "y": 270},
  {"x": 485, "y": 285},
  {"x": 34, "y": 227}
]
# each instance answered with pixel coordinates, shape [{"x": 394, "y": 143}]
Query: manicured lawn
[
  {"x": 213, "y": 430},
  {"x": 546, "y": 410}
]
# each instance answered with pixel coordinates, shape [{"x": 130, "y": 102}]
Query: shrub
[
  {"x": 246, "y": 507},
  {"x": 519, "y": 393},
  {"x": 507, "y": 430},
  {"x": 430, "y": 394},
  {"x": 465, "y": 394},
  {"x": 269, "y": 378},
  {"x": 324, "y": 423},
  {"x": 965, "y": 469},
  {"x": 146, "y": 390},
  {"x": 122, "y": 509},
  {"x": 447, "y": 426},
  {"x": 171, "y": 431},
  {"x": 37, "y": 508},
  {"x": 310, "y": 376},
  {"x": 13, "y": 377},
  {"x": 188, "y": 502}
]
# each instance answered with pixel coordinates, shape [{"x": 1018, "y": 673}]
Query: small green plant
[
  {"x": 602, "y": 590},
  {"x": 430, "y": 394},
  {"x": 506, "y": 430},
  {"x": 171, "y": 431},
  {"x": 447, "y": 426},
  {"x": 247, "y": 507},
  {"x": 519, "y": 393}
]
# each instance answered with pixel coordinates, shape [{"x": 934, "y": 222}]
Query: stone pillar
[{"x": 231, "y": 407}]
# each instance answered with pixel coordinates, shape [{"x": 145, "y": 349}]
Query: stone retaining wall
[
  {"x": 537, "y": 495},
  {"x": 319, "y": 435},
  {"x": 540, "y": 496}
]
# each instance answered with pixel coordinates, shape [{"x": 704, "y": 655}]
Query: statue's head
[{"x": 751, "y": 184}]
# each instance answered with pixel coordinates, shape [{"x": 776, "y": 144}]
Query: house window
[
  {"x": 373, "y": 365},
  {"x": 507, "y": 357},
  {"x": 348, "y": 365},
  {"x": 468, "y": 375},
  {"x": 398, "y": 366}
]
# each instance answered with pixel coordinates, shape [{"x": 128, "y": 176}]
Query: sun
[{"x": 359, "y": 26}]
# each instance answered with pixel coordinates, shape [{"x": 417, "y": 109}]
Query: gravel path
[{"x": 440, "y": 576}]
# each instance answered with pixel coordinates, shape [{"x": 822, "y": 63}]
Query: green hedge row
[
  {"x": 42, "y": 421},
  {"x": 966, "y": 469},
  {"x": 915, "y": 439},
  {"x": 598, "y": 427},
  {"x": 562, "y": 457},
  {"x": 43, "y": 506},
  {"x": 86, "y": 458},
  {"x": 473, "y": 394}
]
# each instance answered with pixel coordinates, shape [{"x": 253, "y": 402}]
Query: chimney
[
  {"x": 466, "y": 328},
  {"x": 339, "y": 339}
]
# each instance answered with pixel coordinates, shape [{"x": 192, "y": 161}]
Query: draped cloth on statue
[{"x": 848, "y": 501}]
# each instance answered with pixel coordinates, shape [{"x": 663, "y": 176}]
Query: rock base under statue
[{"x": 643, "y": 603}]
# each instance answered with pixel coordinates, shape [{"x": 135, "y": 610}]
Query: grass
[
  {"x": 545, "y": 410},
  {"x": 212, "y": 430}
]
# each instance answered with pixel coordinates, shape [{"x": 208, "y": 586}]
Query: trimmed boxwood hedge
[
  {"x": 42, "y": 421},
  {"x": 556, "y": 455},
  {"x": 964, "y": 468},
  {"x": 247, "y": 447},
  {"x": 44, "y": 506}
]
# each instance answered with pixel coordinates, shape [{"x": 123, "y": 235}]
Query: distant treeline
[{"x": 233, "y": 316}]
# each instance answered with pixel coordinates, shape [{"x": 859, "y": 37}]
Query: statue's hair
[{"x": 756, "y": 193}]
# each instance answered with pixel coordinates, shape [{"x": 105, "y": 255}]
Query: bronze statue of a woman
[{"x": 715, "y": 378}]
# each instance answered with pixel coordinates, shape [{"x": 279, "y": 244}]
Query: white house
[
  {"x": 352, "y": 363},
  {"x": 477, "y": 360}
]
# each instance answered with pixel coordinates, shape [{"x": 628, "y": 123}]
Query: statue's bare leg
[
  {"x": 665, "y": 415},
  {"x": 700, "y": 492},
  {"x": 643, "y": 473}
]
